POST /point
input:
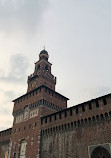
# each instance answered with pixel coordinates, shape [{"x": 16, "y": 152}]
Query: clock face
[{"x": 34, "y": 84}]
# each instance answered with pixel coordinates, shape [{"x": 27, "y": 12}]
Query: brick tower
[{"x": 41, "y": 99}]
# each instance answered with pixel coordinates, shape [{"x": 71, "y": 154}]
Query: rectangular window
[
  {"x": 55, "y": 117},
  {"x": 77, "y": 111},
  {"x": 83, "y": 108},
  {"x": 104, "y": 101},
  {"x": 46, "y": 120},
  {"x": 70, "y": 111},
  {"x": 59, "y": 115},
  {"x": 97, "y": 104},
  {"x": 50, "y": 118},
  {"x": 65, "y": 113},
  {"x": 90, "y": 106},
  {"x": 41, "y": 121},
  {"x": 23, "y": 149}
]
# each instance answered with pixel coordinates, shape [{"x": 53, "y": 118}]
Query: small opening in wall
[
  {"x": 75, "y": 123},
  {"x": 35, "y": 124},
  {"x": 46, "y": 120},
  {"x": 90, "y": 106},
  {"x": 60, "y": 115},
  {"x": 102, "y": 117},
  {"x": 14, "y": 155},
  {"x": 97, "y": 104},
  {"x": 104, "y": 101},
  {"x": 55, "y": 117},
  {"x": 85, "y": 120},
  {"x": 50, "y": 118},
  {"x": 71, "y": 124},
  {"x": 82, "y": 122},
  {"x": 77, "y": 111},
  {"x": 97, "y": 117},
  {"x": 70, "y": 111},
  {"x": 41, "y": 121},
  {"x": 29, "y": 125},
  {"x": 83, "y": 108},
  {"x": 106, "y": 115},
  {"x": 93, "y": 119},
  {"x": 46, "y": 68},
  {"x": 38, "y": 67},
  {"x": 65, "y": 113}
]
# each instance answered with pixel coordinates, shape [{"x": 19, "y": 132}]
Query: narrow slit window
[
  {"x": 104, "y": 101},
  {"x": 65, "y": 113},
  {"x": 55, "y": 117},
  {"x": 97, "y": 104},
  {"x": 70, "y": 111},
  {"x": 90, "y": 106},
  {"x": 50, "y": 118},
  {"x": 77, "y": 111},
  {"x": 60, "y": 115},
  {"x": 46, "y": 120},
  {"x": 83, "y": 108}
]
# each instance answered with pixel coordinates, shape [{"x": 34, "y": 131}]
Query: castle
[{"x": 44, "y": 127}]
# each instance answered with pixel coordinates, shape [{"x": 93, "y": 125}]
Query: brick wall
[
  {"x": 5, "y": 141},
  {"x": 68, "y": 133},
  {"x": 73, "y": 141}
]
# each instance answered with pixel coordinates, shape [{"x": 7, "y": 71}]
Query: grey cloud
[
  {"x": 19, "y": 65},
  {"x": 94, "y": 92},
  {"x": 103, "y": 90},
  {"x": 21, "y": 14},
  {"x": 8, "y": 95}
]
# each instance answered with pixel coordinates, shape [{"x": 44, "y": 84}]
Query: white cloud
[
  {"x": 21, "y": 14},
  {"x": 19, "y": 65}
]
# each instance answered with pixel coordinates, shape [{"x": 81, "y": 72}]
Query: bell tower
[
  {"x": 42, "y": 73},
  {"x": 41, "y": 99}
]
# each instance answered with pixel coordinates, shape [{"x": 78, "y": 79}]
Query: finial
[{"x": 44, "y": 47}]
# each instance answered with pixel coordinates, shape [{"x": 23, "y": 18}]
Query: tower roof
[{"x": 44, "y": 52}]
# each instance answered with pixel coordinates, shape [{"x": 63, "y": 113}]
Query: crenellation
[
  {"x": 79, "y": 123},
  {"x": 6, "y": 132},
  {"x": 75, "y": 113}
]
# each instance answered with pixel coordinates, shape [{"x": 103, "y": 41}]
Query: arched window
[
  {"x": 100, "y": 152},
  {"x": 38, "y": 67},
  {"x": 46, "y": 68},
  {"x": 23, "y": 149}
]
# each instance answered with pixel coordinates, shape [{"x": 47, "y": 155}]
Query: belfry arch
[{"x": 100, "y": 152}]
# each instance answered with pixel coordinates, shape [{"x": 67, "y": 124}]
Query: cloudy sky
[{"x": 77, "y": 35}]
